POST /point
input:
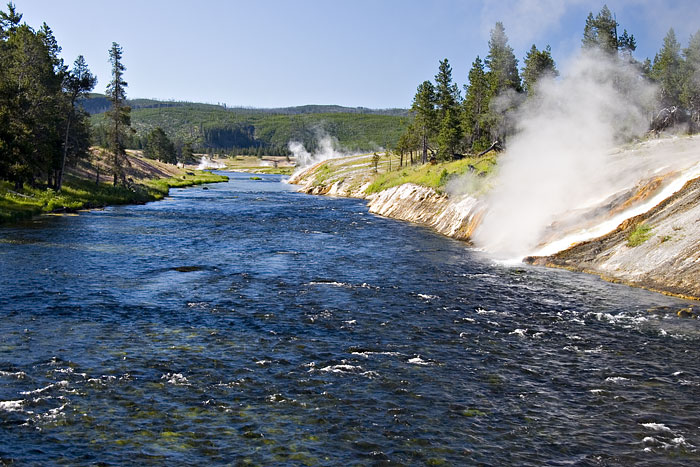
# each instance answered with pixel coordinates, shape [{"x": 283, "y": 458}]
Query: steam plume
[
  {"x": 560, "y": 157},
  {"x": 206, "y": 163},
  {"x": 326, "y": 150}
]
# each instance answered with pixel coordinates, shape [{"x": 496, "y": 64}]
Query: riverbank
[
  {"x": 426, "y": 194},
  {"x": 651, "y": 241},
  {"x": 269, "y": 165},
  {"x": 87, "y": 186},
  {"x": 657, "y": 250},
  {"x": 423, "y": 194}
]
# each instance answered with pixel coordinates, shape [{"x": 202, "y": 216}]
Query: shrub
[{"x": 640, "y": 234}]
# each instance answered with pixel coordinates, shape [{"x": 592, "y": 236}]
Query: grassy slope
[
  {"x": 78, "y": 193},
  {"x": 357, "y": 171},
  {"x": 435, "y": 176}
]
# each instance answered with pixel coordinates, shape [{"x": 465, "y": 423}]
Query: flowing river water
[{"x": 248, "y": 323}]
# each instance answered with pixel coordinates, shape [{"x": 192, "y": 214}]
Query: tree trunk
[
  {"x": 59, "y": 180},
  {"x": 114, "y": 169}
]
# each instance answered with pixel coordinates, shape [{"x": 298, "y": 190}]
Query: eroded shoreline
[{"x": 667, "y": 262}]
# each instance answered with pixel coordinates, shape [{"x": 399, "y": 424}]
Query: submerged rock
[{"x": 188, "y": 268}]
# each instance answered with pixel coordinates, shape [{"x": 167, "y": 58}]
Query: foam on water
[
  {"x": 12, "y": 406},
  {"x": 58, "y": 384},
  {"x": 616, "y": 379},
  {"x": 342, "y": 368},
  {"x": 417, "y": 360},
  {"x": 656, "y": 426},
  {"x": 176, "y": 379}
]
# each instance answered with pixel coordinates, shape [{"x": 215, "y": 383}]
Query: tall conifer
[
  {"x": 476, "y": 107},
  {"x": 423, "y": 108},
  {"x": 501, "y": 61},
  {"x": 538, "y": 63},
  {"x": 447, "y": 98},
  {"x": 666, "y": 70},
  {"x": 690, "y": 92},
  {"x": 119, "y": 115}
]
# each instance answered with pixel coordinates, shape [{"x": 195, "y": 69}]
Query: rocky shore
[
  {"x": 455, "y": 217},
  {"x": 666, "y": 258},
  {"x": 658, "y": 249}
]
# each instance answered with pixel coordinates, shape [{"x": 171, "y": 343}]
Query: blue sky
[{"x": 371, "y": 53}]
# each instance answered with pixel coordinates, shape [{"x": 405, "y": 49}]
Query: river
[{"x": 246, "y": 323}]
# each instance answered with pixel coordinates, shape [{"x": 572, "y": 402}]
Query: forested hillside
[{"x": 208, "y": 127}]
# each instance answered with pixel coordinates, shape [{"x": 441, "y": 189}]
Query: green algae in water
[{"x": 473, "y": 413}]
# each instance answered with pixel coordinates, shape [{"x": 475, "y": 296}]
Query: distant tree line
[
  {"x": 42, "y": 130},
  {"x": 447, "y": 125},
  {"x": 208, "y": 127}
]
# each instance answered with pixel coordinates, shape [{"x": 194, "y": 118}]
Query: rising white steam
[
  {"x": 206, "y": 163},
  {"x": 560, "y": 158},
  {"x": 326, "y": 150}
]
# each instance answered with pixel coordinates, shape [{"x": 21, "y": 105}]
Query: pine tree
[
  {"x": 159, "y": 146},
  {"x": 35, "y": 107},
  {"x": 476, "y": 107},
  {"x": 690, "y": 93},
  {"x": 402, "y": 146},
  {"x": 119, "y": 115},
  {"x": 77, "y": 84},
  {"x": 501, "y": 61},
  {"x": 538, "y": 63},
  {"x": 10, "y": 21},
  {"x": 627, "y": 43},
  {"x": 425, "y": 115},
  {"x": 187, "y": 155},
  {"x": 645, "y": 68},
  {"x": 446, "y": 92},
  {"x": 667, "y": 70},
  {"x": 448, "y": 134},
  {"x": 447, "y": 105},
  {"x": 504, "y": 80},
  {"x": 590, "y": 36},
  {"x": 601, "y": 31}
]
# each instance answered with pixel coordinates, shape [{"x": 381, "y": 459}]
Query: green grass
[
  {"x": 158, "y": 188},
  {"x": 640, "y": 234},
  {"x": 433, "y": 176},
  {"x": 323, "y": 173},
  {"x": 83, "y": 194}
]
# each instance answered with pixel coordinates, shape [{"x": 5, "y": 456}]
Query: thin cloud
[{"x": 526, "y": 20}]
